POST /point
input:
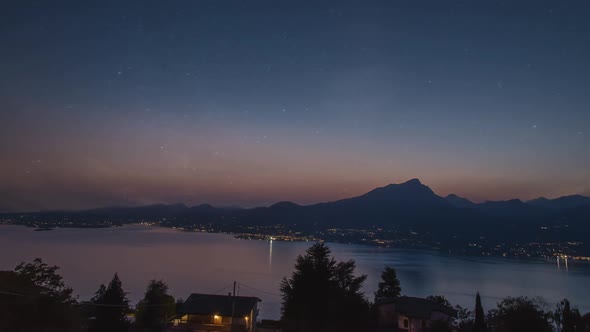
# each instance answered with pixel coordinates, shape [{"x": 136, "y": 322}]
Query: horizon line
[{"x": 236, "y": 206}]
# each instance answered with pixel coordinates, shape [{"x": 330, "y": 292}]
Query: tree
[
  {"x": 566, "y": 318},
  {"x": 586, "y": 322},
  {"x": 34, "y": 297},
  {"x": 479, "y": 325},
  {"x": 156, "y": 308},
  {"x": 323, "y": 294},
  {"x": 389, "y": 287},
  {"x": 110, "y": 306},
  {"x": 46, "y": 279},
  {"x": 463, "y": 320},
  {"x": 440, "y": 300},
  {"x": 515, "y": 314}
]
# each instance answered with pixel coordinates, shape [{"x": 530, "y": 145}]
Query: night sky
[{"x": 253, "y": 102}]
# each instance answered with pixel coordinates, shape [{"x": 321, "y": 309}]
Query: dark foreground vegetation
[
  {"x": 325, "y": 295},
  {"x": 322, "y": 294},
  {"x": 34, "y": 297}
]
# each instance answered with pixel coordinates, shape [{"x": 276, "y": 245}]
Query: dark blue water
[{"x": 208, "y": 263}]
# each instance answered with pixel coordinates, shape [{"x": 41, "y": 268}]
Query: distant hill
[
  {"x": 154, "y": 210},
  {"x": 406, "y": 207},
  {"x": 460, "y": 202},
  {"x": 512, "y": 209},
  {"x": 565, "y": 202}
]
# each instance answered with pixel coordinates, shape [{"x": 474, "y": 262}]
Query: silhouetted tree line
[
  {"x": 322, "y": 294},
  {"x": 325, "y": 295},
  {"x": 33, "y": 297}
]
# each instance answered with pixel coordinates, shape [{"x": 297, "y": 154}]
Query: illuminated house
[
  {"x": 411, "y": 314},
  {"x": 207, "y": 313}
]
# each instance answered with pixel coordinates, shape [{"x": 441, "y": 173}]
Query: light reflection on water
[{"x": 200, "y": 262}]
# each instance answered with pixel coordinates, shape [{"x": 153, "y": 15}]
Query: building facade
[
  {"x": 208, "y": 313},
  {"x": 412, "y": 314}
]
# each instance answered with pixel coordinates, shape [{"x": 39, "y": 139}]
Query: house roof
[
  {"x": 418, "y": 307},
  {"x": 207, "y": 304}
]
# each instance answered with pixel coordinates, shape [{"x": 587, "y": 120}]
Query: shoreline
[{"x": 280, "y": 238}]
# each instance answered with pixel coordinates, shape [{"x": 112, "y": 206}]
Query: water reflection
[
  {"x": 208, "y": 263},
  {"x": 270, "y": 255}
]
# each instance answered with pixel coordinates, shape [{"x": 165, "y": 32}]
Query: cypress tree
[{"x": 479, "y": 324}]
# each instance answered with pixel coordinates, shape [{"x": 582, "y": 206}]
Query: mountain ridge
[
  {"x": 405, "y": 192},
  {"x": 409, "y": 210}
]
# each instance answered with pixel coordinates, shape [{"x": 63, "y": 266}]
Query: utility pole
[{"x": 233, "y": 307}]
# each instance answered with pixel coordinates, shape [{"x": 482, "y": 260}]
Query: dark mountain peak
[
  {"x": 402, "y": 196},
  {"x": 514, "y": 201},
  {"x": 564, "y": 202},
  {"x": 508, "y": 202},
  {"x": 203, "y": 206},
  {"x": 175, "y": 205},
  {"x": 512, "y": 209},
  {"x": 538, "y": 200},
  {"x": 284, "y": 205},
  {"x": 580, "y": 198},
  {"x": 459, "y": 201},
  {"x": 413, "y": 182},
  {"x": 408, "y": 184},
  {"x": 169, "y": 207},
  {"x": 231, "y": 207}
]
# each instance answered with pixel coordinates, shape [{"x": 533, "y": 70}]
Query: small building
[
  {"x": 207, "y": 313},
  {"x": 411, "y": 314}
]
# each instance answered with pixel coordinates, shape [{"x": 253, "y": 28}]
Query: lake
[{"x": 209, "y": 263}]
